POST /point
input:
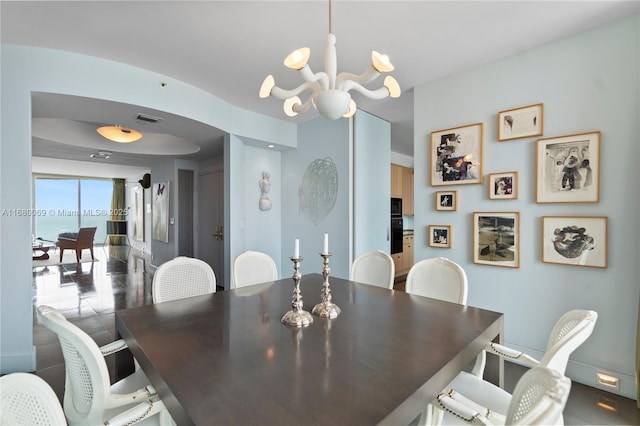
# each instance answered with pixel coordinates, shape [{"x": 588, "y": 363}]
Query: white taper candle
[
  {"x": 326, "y": 244},
  {"x": 296, "y": 248}
]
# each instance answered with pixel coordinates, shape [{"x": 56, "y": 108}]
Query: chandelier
[{"x": 330, "y": 92}]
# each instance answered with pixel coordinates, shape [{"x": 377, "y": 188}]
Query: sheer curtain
[{"x": 118, "y": 204}]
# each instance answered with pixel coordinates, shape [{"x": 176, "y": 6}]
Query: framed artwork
[
  {"x": 447, "y": 201},
  {"x": 137, "y": 221},
  {"x": 160, "y": 211},
  {"x": 520, "y": 122},
  {"x": 575, "y": 240},
  {"x": 496, "y": 239},
  {"x": 503, "y": 186},
  {"x": 568, "y": 169},
  {"x": 440, "y": 236},
  {"x": 456, "y": 155}
]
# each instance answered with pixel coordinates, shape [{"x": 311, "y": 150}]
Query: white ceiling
[{"x": 228, "y": 47}]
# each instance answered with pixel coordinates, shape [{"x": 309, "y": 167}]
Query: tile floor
[{"x": 88, "y": 294}]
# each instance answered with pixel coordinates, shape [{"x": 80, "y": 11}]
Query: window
[{"x": 68, "y": 204}]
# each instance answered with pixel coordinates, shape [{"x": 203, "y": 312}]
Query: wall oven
[{"x": 396, "y": 235}]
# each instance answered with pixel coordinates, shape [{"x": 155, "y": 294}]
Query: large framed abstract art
[{"x": 456, "y": 155}]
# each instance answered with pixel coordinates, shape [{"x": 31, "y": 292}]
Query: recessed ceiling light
[
  {"x": 271, "y": 145},
  {"x": 102, "y": 155}
]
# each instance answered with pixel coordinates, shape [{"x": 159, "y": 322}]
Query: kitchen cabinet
[
  {"x": 402, "y": 187},
  {"x": 407, "y": 252},
  {"x": 404, "y": 261},
  {"x": 396, "y": 181},
  {"x": 398, "y": 262},
  {"x": 407, "y": 191}
]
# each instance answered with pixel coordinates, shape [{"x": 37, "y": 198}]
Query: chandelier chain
[{"x": 329, "y": 16}]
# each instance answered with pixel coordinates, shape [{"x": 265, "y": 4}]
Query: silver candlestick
[
  {"x": 297, "y": 317},
  {"x": 326, "y": 309}
]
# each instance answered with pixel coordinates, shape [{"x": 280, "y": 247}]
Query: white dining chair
[
  {"x": 27, "y": 399},
  {"x": 439, "y": 278},
  {"x": 569, "y": 332},
  {"x": 182, "y": 277},
  {"x": 89, "y": 397},
  {"x": 442, "y": 279},
  {"x": 539, "y": 398},
  {"x": 373, "y": 267},
  {"x": 253, "y": 267}
]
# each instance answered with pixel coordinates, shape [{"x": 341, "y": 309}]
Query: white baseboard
[
  {"x": 587, "y": 374},
  {"x": 22, "y": 362}
]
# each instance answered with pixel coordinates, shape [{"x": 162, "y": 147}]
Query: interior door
[
  {"x": 185, "y": 213},
  {"x": 210, "y": 217}
]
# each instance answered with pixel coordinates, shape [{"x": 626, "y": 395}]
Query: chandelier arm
[
  {"x": 303, "y": 107},
  {"x": 364, "y": 78},
  {"x": 321, "y": 77},
  {"x": 283, "y": 94},
  {"x": 380, "y": 93}
]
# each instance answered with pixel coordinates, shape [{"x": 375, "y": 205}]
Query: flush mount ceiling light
[
  {"x": 119, "y": 134},
  {"x": 330, "y": 92}
]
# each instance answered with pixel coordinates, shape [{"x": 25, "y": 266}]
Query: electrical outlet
[{"x": 608, "y": 381}]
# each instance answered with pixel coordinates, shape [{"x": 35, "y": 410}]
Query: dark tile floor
[{"x": 88, "y": 294}]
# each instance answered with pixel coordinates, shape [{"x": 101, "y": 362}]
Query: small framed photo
[
  {"x": 440, "y": 236},
  {"x": 503, "y": 186},
  {"x": 568, "y": 169},
  {"x": 496, "y": 239},
  {"x": 447, "y": 201},
  {"x": 456, "y": 155},
  {"x": 575, "y": 240},
  {"x": 520, "y": 122}
]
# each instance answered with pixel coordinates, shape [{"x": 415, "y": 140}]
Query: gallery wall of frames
[{"x": 567, "y": 171}]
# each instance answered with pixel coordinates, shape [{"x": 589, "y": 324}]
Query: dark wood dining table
[{"x": 226, "y": 359}]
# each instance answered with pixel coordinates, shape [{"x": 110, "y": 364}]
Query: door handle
[{"x": 218, "y": 233}]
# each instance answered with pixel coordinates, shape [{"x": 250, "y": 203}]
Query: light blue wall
[
  {"x": 317, "y": 139},
  {"x": 587, "y": 82},
  {"x": 25, "y": 70},
  {"x": 372, "y": 145},
  {"x": 251, "y": 228},
  {"x": 168, "y": 172}
]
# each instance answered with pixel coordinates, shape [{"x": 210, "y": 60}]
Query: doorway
[
  {"x": 210, "y": 223},
  {"x": 185, "y": 212}
]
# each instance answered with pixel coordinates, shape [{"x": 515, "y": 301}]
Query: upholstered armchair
[{"x": 83, "y": 240}]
